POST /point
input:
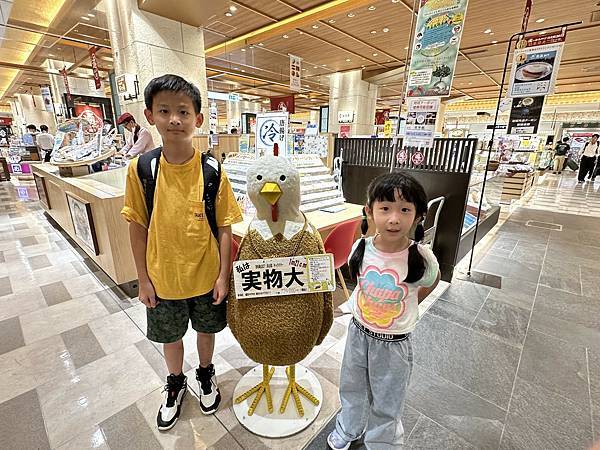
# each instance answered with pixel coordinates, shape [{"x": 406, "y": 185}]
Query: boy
[
  {"x": 183, "y": 271},
  {"x": 560, "y": 154}
]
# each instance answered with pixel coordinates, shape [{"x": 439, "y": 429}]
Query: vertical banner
[
  {"x": 526, "y": 14},
  {"x": 525, "y": 115},
  {"x": 438, "y": 32},
  {"x": 94, "y": 61},
  {"x": 535, "y": 65},
  {"x": 381, "y": 117},
  {"x": 213, "y": 117},
  {"x": 387, "y": 129},
  {"x": 271, "y": 129},
  {"x": 63, "y": 72},
  {"x": 47, "y": 97},
  {"x": 420, "y": 122},
  {"x": 295, "y": 71},
  {"x": 283, "y": 104}
]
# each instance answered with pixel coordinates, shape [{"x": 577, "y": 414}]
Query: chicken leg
[
  {"x": 294, "y": 389},
  {"x": 259, "y": 390}
]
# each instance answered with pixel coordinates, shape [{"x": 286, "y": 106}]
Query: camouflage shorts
[{"x": 168, "y": 322}]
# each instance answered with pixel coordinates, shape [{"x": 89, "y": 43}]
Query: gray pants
[{"x": 373, "y": 383}]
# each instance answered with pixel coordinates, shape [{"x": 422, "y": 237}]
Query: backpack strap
[
  {"x": 211, "y": 171},
  {"x": 147, "y": 169}
]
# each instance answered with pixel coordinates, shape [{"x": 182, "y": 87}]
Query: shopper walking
[
  {"x": 139, "y": 141},
  {"x": 180, "y": 208},
  {"x": 45, "y": 142},
  {"x": 560, "y": 154},
  {"x": 394, "y": 274},
  {"x": 587, "y": 162}
]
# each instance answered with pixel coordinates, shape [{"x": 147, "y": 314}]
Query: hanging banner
[
  {"x": 295, "y": 71},
  {"x": 271, "y": 129},
  {"x": 535, "y": 65},
  {"x": 438, "y": 31},
  {"x": 420, "y": 122},
  {"x": 94, "y": 61},
  {"x": 47, "y": 97},
  {"x": 63, "y": 72},
  {"x": 526, "y": 14},
  {"x": 213, "y": 118},
  {"x": 286, "y": 103},
  {"x": 525, "y": 115},
  {"x": 381, "y": 117}
]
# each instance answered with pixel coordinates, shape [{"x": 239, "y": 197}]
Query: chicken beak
[{"x": 271, "y": 192}]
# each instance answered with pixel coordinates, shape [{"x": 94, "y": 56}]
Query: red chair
[
  {"x": 235, "y": 248},
  {"x": 339, "y": 243}
]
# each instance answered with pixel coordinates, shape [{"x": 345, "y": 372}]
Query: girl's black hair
[
  {"x": 384, "y": 188},
  {"x": 136, "y": 133}
]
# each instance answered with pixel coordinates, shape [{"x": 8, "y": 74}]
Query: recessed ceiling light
[
  {"x": 470, "y": 83},
  {"x": 395, "y": 1},
  {"x": 91, "y": 15},
  {"x": 371, "y": 8},
  {"x": 303, "y": 70},
  {"x": 285, "y": 36},
  {"x": 351, "y": 15},
  {"x": 313, "y": 99},
  {"x": 51, "y": 55},
  {"x": 494, "y": 42},
  {"x": 260, "y": 44},
  {"x": 300, "y": 32},
  {"x": 332, "y": 21},
  {"x": 243, "y": 49},
  {"x": 324, "y": 65},
  {"x": 315, "y": 27},
  {"x": 491, "y": 34},
  {"x": 405, "y": 48},
  {"x": 363, "y": 66},
  {"x": 243, "y": 70},
  {"x": 488, "y": 31},
  {"x": 540, "y": 20},
  {"x": 348, "y": 60},
  {"x": 315, "y": 67},
  {"x": 85, "y": 17},
  {"x": 385, "y": 30},
  {"x": 233, "y": 8},
  {"x": 236, "y": 68},
  {"x": 375, "y": 54},
  {"x": 542, "y": 32},
  {"x": 228, "y": 14}
]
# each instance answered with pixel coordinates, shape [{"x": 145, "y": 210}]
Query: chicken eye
[
  {"x": 282, "y": 177},
  {"x": 259, "y": 177}
]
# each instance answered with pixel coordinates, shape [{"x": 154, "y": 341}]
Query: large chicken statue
[{"x": 282, "y": 330}]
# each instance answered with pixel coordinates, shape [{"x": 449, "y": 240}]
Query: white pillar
[{"x": 348, "y": 92}]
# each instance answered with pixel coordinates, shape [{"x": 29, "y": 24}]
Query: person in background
[
  {"x": 588, "y": 158},
  {"x": 234, "y": 131},
  {"x": 30, "y": 134},
  {"x": 45, "y": 142},
  {"x": 139, "y": 141},
  {"x": 560, "y": 154}
]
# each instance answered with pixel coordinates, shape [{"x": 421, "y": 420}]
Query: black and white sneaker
[
  {"x": 171, "y": 406},
  {"x": 210, "y": 396}
]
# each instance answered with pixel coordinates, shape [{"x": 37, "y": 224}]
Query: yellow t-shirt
[{"x": 182, "y": 254}]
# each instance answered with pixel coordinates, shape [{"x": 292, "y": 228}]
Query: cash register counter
[{"x": 108, "y": 246}]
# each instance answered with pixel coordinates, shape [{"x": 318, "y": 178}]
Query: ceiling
[{"x": 248, "y": 43}]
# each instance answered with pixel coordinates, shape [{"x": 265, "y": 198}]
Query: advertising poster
[
  {"x": 295, "y": 71},
  {"x": 439, "y": 28},
  {"x": 63, "y": 72},
  {"x": 535, "y": 65},
  {"x": 271, "y": 129},
  {"x": 213, "y": 117},
  {"x": 381, "y": 117},
  {"x": 286, "y": 103},
  {"x": 93, "y": 114},
  {"x": 345, "y": 131},
  {"x": 387, "y": 129},
  {"x": 525, "y": 115},
  {"x": 420, "y": 122},
  {"x": 47, "y": 98}
]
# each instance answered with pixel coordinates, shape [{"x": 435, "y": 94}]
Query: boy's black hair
[
  {"x": 384, "y": 188},
  {"x": 565, "y": 139},
  {"x": 172, "y": 83},
  {"x": 596, "y": 135},
  {"x": 31, "y": 127},
  {"x": 44, "y": 128}
]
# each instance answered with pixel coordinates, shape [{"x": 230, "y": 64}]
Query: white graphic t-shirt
[{"x": 382, "y": 301}]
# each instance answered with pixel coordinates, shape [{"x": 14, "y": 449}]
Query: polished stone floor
[{"x": 510, "y": 368}]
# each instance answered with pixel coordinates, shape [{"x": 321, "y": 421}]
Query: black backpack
[{"x": 147, "y": 169}]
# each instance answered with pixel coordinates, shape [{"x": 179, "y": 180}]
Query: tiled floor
[{"x": 514, "y": 368}]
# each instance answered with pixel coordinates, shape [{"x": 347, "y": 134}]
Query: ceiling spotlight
[
  {"x": 243, "y": 70},
  {"x": 243, "y": 49},
  {"x": 363, "y": 66},
  {"x": 85, "y": 18},
  {"x": 285, "y": 36},
  {"x": 315, "y": 27},
  {"x": 260, "y": 44},
  {"x": 315, "y": 67},
  {"x": 228, "y": 14},
  {"x": 375, "y": 54},
  {"x": 494, "y": 42},
  {"x": 332, "y": 21},
  {"x": 371, "y": 8},
  {"x": 233, "y": 8},
  {"x": 351, "y": 15},
  {"x": 303, "y": 70},
  {"x": 395, "y": 1},
  {"x": 324, "y": 65},
  {"x": 91, "y": 15},
  {"x": 540, "y": 20},
  {"x": 300, "y": 32},
  {"x": 542, "y": 32},
  {"x": 405, "y": 48},
  {"x": 313, "y": 99},
  {"x": 385, "y": 30},
  {"x": 373, "y": 32},
  {"x": 347, "y": 59},
  {"x": 51, "y": 55},
  {"x": 488, "y": 31}
]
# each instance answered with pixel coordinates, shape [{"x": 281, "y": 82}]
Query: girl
[
  {"x": 140, "y": 140},
  {"x": 394, "y": 274}
]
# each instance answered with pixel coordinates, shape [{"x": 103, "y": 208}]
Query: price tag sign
[{"x": 294, "y": 275}]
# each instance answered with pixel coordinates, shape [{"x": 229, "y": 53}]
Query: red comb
[{"x": 276, "y": 149}]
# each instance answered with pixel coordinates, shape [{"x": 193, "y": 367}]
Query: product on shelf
[
  {"x": 318, "y": 189},
  {"x": 79, "y": 147}
]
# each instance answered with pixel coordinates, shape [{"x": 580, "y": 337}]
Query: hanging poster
[
  {"x": 286, "y": 103},
  {"x": 381, "y": 117},
  {"x": 535, "y": 65},
  {"x": 420, "y": 122},
  {"x": 440, "y": 25},
  {"x": 295, "y": 71},
  {"x": 94, "y": 62},
  {"x": 271, "y": 129},
  {"x": 525, "y": 115},
  {"x": 345, "y": 131},
  {"x": 63, "y": 72},
  {"x": 47, "y": 97},
  {"x": 213, "y": 118}
]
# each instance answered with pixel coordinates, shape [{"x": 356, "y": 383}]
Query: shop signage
[
  {"x": 387, "y": 128},
  {"x": 498, "y": 127},
  {"x": 47, "y": 98},
  {"x": 294, "y": 275},
  {"x": 233, "y": 97},
  {"x": 95, "y": 71},
  {"x": 525, "y": 115},
  {"x": 271, "y": 129},
  {"x": 535, "y": 65},
  {"x": 381, "y": 117},
  {"x": 345, "y": 116},
  {"x": 402, "y": 157},
  {"x": 6, "y": 121},
  {"x": 312, "y": 129},
  {"x": 420, "y": 122},
  {"x": 217, "y": 96},
  {"x": 63, "y": 72},
  {"x": 438, "y": 32},
  {"x": 417, "y": 158},
  {"x": 286, "y": 103},
  {"x": 345, "y": 131},
  {"x": 295, "y": 73}
]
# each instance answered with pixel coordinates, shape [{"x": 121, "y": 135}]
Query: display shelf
[{"x": 517, "y": 185}]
